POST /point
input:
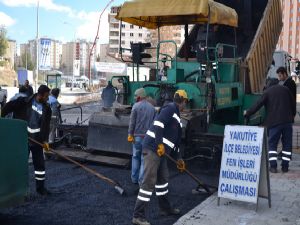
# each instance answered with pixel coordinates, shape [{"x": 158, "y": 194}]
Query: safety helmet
[
  {"x": 182, "y": 93},
  {"x": 141, "y": 92}
]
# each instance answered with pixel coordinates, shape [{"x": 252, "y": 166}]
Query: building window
[
  {"x": 114, "y": 50},
  {"x": 114, "y": 42},
  {"x": 113, "y": 10},
  {"x": 114, "y": 33},
  {"x": 131, "y": 34},
  {"x": 142, "y": 27},
  {"x": 115, "y": 26},
  {"x": 113, "y": 20},
  {"x": 123, "y": 25},
  {"x": 140, "y": 35},
  {"x": 123, "y": 34},
  {"x": 131, "y": 26},
  {"x": 123, "y": 42}
]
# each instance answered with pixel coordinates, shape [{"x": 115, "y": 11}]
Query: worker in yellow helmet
[{"x": 164, "y": 135}]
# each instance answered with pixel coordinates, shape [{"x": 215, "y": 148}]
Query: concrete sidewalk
[{"x": 285, "y": 200}]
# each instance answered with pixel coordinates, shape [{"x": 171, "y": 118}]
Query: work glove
[
  {"x": 160, "y": 150},
  {"x": 46, "y": 147},
  {"x": 130, "y": 138},
  {"x": 180, "y": 165}
]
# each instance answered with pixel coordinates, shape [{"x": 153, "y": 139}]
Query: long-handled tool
[
  {"x": 200, "y": 183},
  {"x": 116, "y": 185}
]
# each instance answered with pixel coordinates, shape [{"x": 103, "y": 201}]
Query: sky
[{"x": 63, "y": 20}]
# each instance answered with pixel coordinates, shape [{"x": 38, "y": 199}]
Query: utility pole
[
  {"x": 37, "y": 45},
  {"x": 95, "y": 41}
]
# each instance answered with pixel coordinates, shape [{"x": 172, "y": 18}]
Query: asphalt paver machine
[{"x": 222, "y": 65}]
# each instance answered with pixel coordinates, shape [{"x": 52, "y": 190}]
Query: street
[
  {"x": 223, "y": 77},
  {"x": 81, "y": 199}
]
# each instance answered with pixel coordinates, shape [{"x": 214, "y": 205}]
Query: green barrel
[{"x": 13, "y": 162}]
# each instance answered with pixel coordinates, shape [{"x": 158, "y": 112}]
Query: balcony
[
  {"x": 114, "y": 46},
  {"x": 114, "y": 29},
  {"x": 114, "y": 37}
]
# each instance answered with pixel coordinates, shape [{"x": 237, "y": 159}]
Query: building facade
[
  {"x": 77, "y": 52},
  {"x": 171, "y": 33},
  {"x": 129, "y": 33},
  {"x": 290, "y": 36},
  {"x": 67, "y": 59},
  {"x": 55, "y": 52}
]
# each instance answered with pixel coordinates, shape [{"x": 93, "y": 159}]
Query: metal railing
[
  {"x": 158, "y": 54},
  {"x": 70, "y": 108}
]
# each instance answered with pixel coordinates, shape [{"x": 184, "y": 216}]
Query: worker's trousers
[
  {"x": 39, "y": 164},
  {"x": 156, "y": 177},
  {"x": 285, "y": 131},
  {"x": 137, "y": 166},
  {"x": 53, "y": 128}
]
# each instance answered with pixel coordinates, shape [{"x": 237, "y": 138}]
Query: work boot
[
  {"x": 273, "y": 169},
  {"x": 43, "y": 191},
  {"x": 165, "y": 207},
  {"x": 170, "y": 212},
  {"x": 284, "y": 169},
  {"x": 40, "y": 188},
  {"x": 140, "y": 221}
]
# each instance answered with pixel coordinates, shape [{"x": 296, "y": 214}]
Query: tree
[
  {"x": 26, "y": 58},
  {"x": 3, "y": 41}
]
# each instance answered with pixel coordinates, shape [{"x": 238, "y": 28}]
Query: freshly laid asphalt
[{"x": 79, "y": 198}]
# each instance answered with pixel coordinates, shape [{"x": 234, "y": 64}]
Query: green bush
[{"x": 2, "y": 63}]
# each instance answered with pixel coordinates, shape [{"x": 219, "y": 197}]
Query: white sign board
[
  {"x": 44, "y": 54},
  {"x": 241, "y": 162},
  {"x": 144, "y": 73},
  {"x": 76, "y": 67},
  {"x": 104, "y": 67}
]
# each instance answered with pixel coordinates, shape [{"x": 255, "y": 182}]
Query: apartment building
[
  {"x": 129, "y": 33},
  {"x": 290, "y": 36}
]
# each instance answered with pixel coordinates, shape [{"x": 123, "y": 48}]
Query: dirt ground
[{"x": 7, "y": 77}]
